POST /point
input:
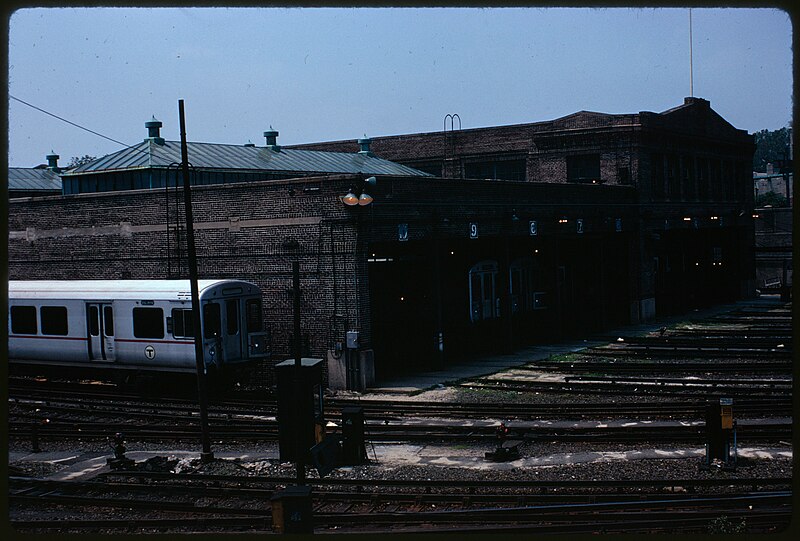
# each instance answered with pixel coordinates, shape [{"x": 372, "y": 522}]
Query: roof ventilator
[
  {"x": 153, "y": 131},
  {"x": 364, "y": 144},
  {"x": 272, "y": 139},
  {"x": 52, "y": 162}
]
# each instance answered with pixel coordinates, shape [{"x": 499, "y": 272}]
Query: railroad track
[
  {"x": 380, "y": 504},
  {"x": 659, "y": 366},
  {"x": 616, "y": 387},
  {"x": 38, "y": 410},
  {"x": 399, "y": 430},
  {"x": 687, "y": 352}
]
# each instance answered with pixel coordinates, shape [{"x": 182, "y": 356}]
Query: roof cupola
[
  {"x": 364, "y": 144},
  {"x": 153, "y": 131},
  {"x": 52, "y": 162},
  {"x": 272, "y": 139}
]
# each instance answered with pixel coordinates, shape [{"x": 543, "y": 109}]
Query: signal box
[{"x": 299, "y": 416}]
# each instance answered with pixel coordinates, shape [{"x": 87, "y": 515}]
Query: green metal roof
[
  {"x": 24, "y": 178},
  {"x": 246, "y": 158}
]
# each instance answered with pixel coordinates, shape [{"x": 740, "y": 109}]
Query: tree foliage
[
  {"x": 77, "y": 162},
  {"x": 771, "y": 146},
  {"x": 772, "y": 199}
]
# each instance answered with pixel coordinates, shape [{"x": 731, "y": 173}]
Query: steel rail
[
  {"x": 655, "y": 366},
  {"x": 619, "y": 389},
  {"x": 387, "y": 430},
  {"x": 752, "y": 482},
  {"x": 74, "y": 492}
]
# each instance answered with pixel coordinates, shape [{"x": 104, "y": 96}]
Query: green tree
[
  {"x": 77, "y": 162},
  {"x": 771, "y": 146},
  {"x": 772, "y": 199}
]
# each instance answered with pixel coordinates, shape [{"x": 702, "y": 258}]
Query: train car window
[
  {"x": 54, "y": 320},
  {"x": 108, "y": 320},
  {"x": 232, "y": 291},
  {"x": 232, "y": 316},
  {"x": 253, "y": 307},
  {"x": 182, "y": 323},
  {"x": 23, "y": 319},
  {"x": 94, "y": 322},
  {"x": 148, "y": 323},
  {"x": 212, "y": 320}
]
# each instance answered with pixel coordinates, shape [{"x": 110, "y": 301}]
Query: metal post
[
  {"x": 298, "y": 363},
  {"x": 206, "y": 455},
  {"x": 691, "y": 66}
]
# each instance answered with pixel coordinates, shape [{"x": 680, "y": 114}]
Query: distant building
[
  {"x": 470, "y": 242},
  {"x": 35, "y": 181},
  {"x": 153, "y": 164},
  {"x": 774, "y": 181}
]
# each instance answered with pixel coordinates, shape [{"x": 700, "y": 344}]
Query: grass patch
[
  {"x": 477, "y": 394},
  {"x": 564, "y": 357}
]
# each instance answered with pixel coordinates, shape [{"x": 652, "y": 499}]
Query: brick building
[
  {"x": 604, "y": 220},
  {"x": 690, "y": 169}
]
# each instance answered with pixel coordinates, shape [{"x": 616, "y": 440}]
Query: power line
[
  {"x": 67, "y": 121},
  {"x": 76, "y": 125}
]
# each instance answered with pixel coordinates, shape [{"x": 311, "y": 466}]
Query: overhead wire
[{"x": 78, "y": 125}]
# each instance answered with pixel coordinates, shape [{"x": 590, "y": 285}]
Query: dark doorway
[{"x": 403, "y": 314}]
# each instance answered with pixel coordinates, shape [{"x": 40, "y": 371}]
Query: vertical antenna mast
[{"x": 691, "y": 67}]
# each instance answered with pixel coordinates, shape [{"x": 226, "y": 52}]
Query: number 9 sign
[{"x": 473, "y": 230}]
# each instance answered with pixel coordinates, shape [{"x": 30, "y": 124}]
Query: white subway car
[{"x": 141, "y": 325}]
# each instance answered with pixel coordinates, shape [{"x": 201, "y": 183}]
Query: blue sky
[{"x": 340, "y": 73}]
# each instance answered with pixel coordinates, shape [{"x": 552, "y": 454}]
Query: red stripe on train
[
  {"x": 47, "y": 337},
  {"x": 156, "y": 341}
]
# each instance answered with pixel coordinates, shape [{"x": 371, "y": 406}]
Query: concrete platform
[{"x": 416, "y": 383}]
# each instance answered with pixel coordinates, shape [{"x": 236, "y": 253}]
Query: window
[
  {"x": 716, "y": 255},
  {"x": 148, "y": 323},
  {"x": 494, "y": 170},
  {"x": 212, "y": 320},
  {"x": 182, "y": 323},
  {"x": 253, "y": 308},
  {"x": 434, "y": 168},
  {"x": 584, "y": 169},
  {"x": 624, "y": 175},
  {"x": 232, "y": 316},
  {"x": 108, "y": 320},
  {"x": 54, "y": 320},
  {"x": 657, "y": 175},
  {"x": 94, "y": 321},
  {"x": 484, "y": 302},
  {"x": 23, "y": 319}
]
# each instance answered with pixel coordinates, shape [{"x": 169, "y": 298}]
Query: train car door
[
  {"x": 223, "y": 328},
  {"x": 233, "y": 330},
  {"x": 100, "y": 331}
]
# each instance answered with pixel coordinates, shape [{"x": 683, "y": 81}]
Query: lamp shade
[
  {"x": 365, "y": 199},
  {"x": 350, "y": 199}
]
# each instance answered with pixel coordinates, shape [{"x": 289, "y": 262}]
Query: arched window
[{"x": 484, "y": 300}]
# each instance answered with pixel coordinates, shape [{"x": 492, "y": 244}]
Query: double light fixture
[{"x": 363, "y": 198}]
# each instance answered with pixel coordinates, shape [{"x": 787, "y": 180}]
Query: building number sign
[
  {"x": 473, "y": 230},
  {"x": 533, "y": 228},
  {"x": 402, "y": 232}
]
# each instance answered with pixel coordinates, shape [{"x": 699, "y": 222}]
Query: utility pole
[
  {"x": 298, "y": 376},
  {"x": 206, "y": 455},
  {"x": 691, "y": 67}
]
